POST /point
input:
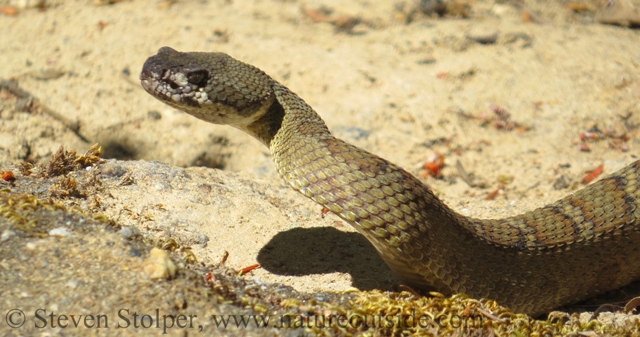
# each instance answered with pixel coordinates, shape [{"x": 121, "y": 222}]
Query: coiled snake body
[{"x": 574, "y": 248}]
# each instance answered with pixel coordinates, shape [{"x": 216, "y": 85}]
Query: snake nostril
[
  {"x": 172, "y": 84},
  {"x": 166, "y": 78}
]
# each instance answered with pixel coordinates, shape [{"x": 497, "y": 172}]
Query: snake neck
[
  {"x": 400, "y": 216},
  {"x": 287, "y": 118}
]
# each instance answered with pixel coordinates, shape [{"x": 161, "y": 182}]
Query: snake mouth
[{"x": 176, "y": 87}]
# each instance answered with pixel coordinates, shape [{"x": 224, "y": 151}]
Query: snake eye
[{"x": 198, "y": 77}]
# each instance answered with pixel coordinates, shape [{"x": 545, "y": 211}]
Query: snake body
[{"x": 582, "y": 245}]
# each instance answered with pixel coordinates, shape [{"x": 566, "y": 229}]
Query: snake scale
[{"x": 572, "y": 249}]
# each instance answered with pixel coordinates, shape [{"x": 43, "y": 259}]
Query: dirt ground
[{"x": 528, "y": 96}]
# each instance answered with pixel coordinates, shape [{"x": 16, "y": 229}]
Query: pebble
[
  {"x": 6, "y": 235},
  {"x": 159, "y": 265},
  {"x": 126, "y": 232},
  {"x": 60, "y": 232}
]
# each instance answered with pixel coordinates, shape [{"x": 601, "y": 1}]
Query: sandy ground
[{"x": 400, "y": 84}]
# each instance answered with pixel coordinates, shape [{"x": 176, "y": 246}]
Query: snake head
[{"x": 210, "y": 86}]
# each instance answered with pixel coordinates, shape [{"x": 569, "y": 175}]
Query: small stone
[
  {"x": 126, "y": 232},
  {"x": 25, "y": 4},
  {"x": 200, "y": 239},
  {"x": 159, "y": 265},
  {"x": 6, "y": 235},
  {"x": 155, "y": 115},
  {"x": 134, "y": 252},
  {"x": 73, "y": 284},
  {"x": 60, "y": 232}
]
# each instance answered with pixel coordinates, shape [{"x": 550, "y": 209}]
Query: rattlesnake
[{"x": 574, "y": 248}]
